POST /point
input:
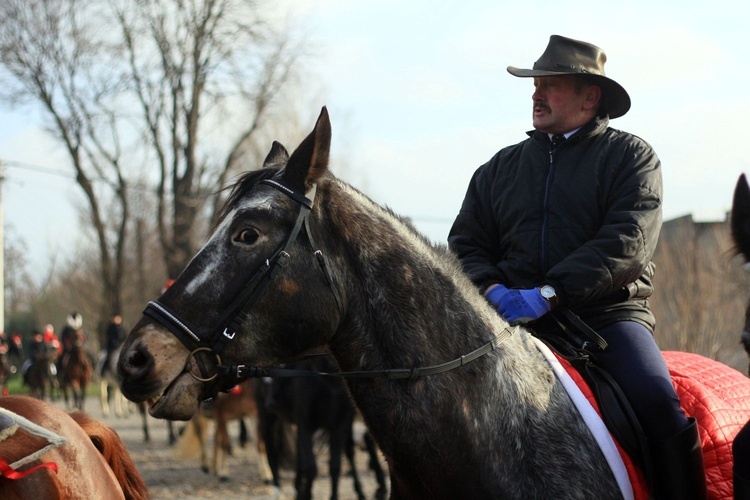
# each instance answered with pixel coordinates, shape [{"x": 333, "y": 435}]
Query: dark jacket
[
  {"x": 115, "y": 336},
  {"x": 584, "y": 218}
]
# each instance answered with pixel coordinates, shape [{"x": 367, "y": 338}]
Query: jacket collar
[{"x": 592, "y": 128}]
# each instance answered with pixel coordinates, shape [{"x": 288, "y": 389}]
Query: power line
[{"x": 37, "y": 168}]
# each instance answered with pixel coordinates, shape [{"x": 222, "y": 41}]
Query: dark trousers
[{"x": 635, "y": 362}]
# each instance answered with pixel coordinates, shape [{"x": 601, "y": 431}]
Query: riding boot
[
  {"x": 741, "y": 488},
  {"x": 678, "y": 471}
]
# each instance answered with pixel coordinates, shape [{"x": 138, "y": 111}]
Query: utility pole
[{"x": 2, "y": 250}]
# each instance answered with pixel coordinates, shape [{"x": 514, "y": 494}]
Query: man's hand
[{"x": 518, "y": 306}]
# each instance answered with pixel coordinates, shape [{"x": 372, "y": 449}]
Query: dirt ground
[{"x": 169, "y": 478}]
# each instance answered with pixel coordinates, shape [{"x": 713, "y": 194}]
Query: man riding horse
[{"x": 565, "y": 223}]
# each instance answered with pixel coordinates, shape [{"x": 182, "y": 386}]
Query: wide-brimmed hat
[{"x": 565, "y": 56}]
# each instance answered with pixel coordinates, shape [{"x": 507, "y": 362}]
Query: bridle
[
  {"x": 238, "y": 311},
  {"x": 231, "y": 320}
]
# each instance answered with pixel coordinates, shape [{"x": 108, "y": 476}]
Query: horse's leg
[
  {"x": 263, "y": 467},
  {"x": 221, "y": 446},
  {"x": 307, "y": 469},
  {"x": 84, "y": 384},
  {"x": 119, "y": 412},
  {"x": 348, "y": 444},
  {"x": 200, "y": 432},
  {"x": 172, "y": 437},
  {"x": 104, "y": 397},
  {"x": 270, "y": 445},
  {"x": 144, "y": 421},
  {"x": 372, "y": 450},
  {"x": 335, "y": 443},
  {"x": 244, "y": 437},
  {"x": 78, "y": 395}
]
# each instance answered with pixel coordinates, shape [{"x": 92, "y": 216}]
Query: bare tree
[
  {"x": 50, "y": 57},
  {"x": 198, "y": 68},
  {"x": 160, "y": 93},
  {"x": 19, "y": 286}
]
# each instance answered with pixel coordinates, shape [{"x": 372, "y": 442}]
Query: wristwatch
[{"x": 549, "y": 294}]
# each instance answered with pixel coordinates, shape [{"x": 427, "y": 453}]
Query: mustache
[{"x": 538, "y": 106}]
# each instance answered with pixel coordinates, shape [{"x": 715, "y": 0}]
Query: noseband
[{"x": 238, "y": 311}]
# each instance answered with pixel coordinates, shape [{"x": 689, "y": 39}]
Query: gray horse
[{"x": 301, "y": 260}]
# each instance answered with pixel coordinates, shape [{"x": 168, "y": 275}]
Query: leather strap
[{"x": 242, "y": 372}]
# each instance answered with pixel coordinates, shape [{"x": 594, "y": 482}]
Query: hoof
[{"x": 223, "y": 479}]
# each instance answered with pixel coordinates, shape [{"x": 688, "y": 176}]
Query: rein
[
  {"x": 239, "y": 310},
  {"x": 242, "y": 372}
]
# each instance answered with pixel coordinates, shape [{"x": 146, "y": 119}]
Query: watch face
[{"x": 547, "y": 292}]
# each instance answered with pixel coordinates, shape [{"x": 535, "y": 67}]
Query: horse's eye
[{"x": 247, "y": 236}]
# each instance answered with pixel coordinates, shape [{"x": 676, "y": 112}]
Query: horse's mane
[
  {"x": 242, "y": 186},
  {"x": 109, "y": 444}
]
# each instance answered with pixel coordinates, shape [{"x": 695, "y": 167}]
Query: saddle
[{"x": 578, "y": 344}]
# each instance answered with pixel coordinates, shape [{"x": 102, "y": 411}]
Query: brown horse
[
  {"x": 75, "y": 371},
  {"x": 237, "y": 404},
  {"x": 93, "y": 462},
  {"x": 42, "y": 374}
]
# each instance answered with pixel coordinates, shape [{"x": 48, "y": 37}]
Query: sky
[{"x": 419, "y": 98}]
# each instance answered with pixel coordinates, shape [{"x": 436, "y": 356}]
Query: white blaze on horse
[{"x": 302, "y": 260}]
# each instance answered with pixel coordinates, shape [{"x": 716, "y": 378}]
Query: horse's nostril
[
  {"x": 136, "y": 363},
  {"x": 137, "y": 359}
]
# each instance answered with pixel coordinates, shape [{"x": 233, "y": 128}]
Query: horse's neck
[
  {"x": 402, "y": 287},
  {"x": 409, "y": 301}
]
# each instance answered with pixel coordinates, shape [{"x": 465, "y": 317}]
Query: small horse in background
[
  {"x": 75, "y": 371},
  {"x": 312, "y": 404},
  {"x": 7, "y": 369},
  {"x": 41, "y": 376},
  {"x": 93, "y": 463},
  {"x": 109, "y": 387},
  {"x": 237, "y": 404}
]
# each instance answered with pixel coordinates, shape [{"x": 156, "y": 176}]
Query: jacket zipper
[{"x": 545, "y": 207}]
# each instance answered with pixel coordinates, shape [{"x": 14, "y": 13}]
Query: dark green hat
[{"x": 565, "y": 56}]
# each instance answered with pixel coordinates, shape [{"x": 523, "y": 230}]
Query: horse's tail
[
  {"x": 189, "y": 445},
  {"x": 109, "y": 444}
]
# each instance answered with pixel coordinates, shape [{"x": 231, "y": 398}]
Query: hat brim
[{"x": 617, "y": 100}]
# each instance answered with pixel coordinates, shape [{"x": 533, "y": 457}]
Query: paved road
[{"x": 169, "y": 477}]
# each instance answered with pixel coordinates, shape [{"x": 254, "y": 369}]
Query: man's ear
[{"x": 593, "y": 96}]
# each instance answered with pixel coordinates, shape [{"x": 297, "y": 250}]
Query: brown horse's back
[{"x": 83, "y": 472}]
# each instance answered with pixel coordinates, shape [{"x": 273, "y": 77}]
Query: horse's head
[
  {"x": 740, "y": 222},
  {"x": 257, "y": 292}
]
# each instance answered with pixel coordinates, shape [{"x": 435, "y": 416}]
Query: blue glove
[{"x": 519, "y": 306}]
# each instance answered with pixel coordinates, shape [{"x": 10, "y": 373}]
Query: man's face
[{"x": 560, "y": 105}]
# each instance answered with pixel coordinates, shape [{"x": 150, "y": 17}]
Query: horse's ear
[
  {"x": 740, "y": 218},
  {"x": 277, "y": 157},
  {"x": 309, "y": 161}
]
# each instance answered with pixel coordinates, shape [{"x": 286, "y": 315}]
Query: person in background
[
  {"x": 115, "y": 336},
  {"x": 51, "y": 338},
  {"x": 563, "y": 225},
  {"x": 70, "y": 335},
  {"x": 37, "y": 348}
]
